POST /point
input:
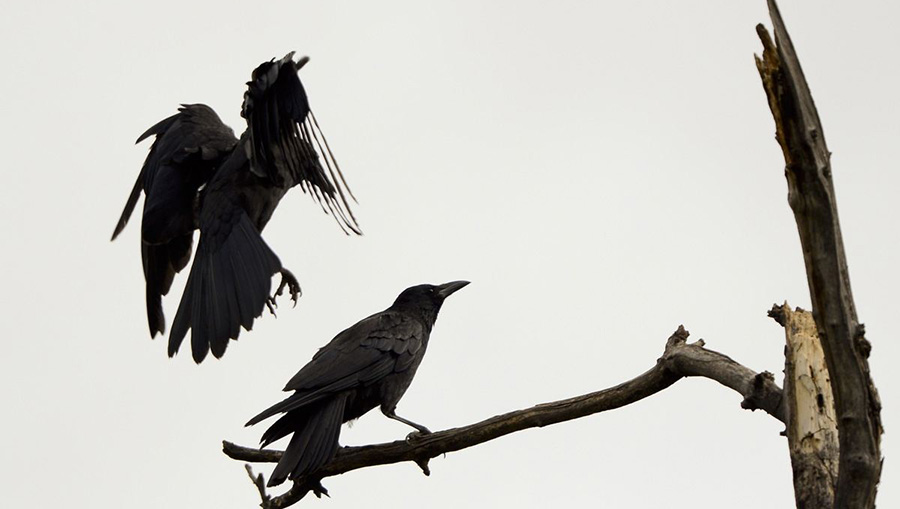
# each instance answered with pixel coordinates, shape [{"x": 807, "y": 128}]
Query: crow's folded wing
[{"x": 361, "y": 355}]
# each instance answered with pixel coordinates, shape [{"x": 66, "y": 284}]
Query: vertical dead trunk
[
  {"x": 809, "y": 410},
  {"x": 812, "y": 198}
]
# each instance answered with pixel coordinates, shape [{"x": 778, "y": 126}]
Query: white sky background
[{"x": 601, "y": 172}]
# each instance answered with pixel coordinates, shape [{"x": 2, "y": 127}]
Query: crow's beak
[
  {"x": 446, "y": 289},
  {"x": 302, "y": 61}
]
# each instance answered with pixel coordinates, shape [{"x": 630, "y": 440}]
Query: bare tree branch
[
  {"x": 680, "y": 359},
  {"x": 812, "y": 199},
  {"x": 260, "y": 482},
  {"x": 292, "y": 496}
]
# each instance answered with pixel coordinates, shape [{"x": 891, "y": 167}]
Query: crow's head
[{"x": 425, "y": 301}]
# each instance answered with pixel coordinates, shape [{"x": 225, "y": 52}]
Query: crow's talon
[
  {"x": 287, "y": 280},
  {"x": 414, "y": 435}
]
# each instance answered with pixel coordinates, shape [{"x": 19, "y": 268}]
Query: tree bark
[
  {"x": 809, "y": 409},
  {"x": 812, "y": 199}
]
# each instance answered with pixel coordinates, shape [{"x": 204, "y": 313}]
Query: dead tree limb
[
  {"x": 680, "y": 359},
  {"x": 809, "y": 409},
  {"x": 812, "y": 199}
]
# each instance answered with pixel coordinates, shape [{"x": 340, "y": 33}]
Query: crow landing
[
  {"x": 368, "y": 365},
  {"x": 199, "y": 176}
]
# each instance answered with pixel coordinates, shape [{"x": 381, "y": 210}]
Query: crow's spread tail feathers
[{"x": 227, "y": 289}]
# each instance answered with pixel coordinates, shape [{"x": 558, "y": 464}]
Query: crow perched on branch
[
  {"x": 370, "y": 364},
  {"x": 199, "y": 176}
]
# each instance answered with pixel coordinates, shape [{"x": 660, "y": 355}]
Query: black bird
[
  {"x": 368, "y": 365},
  {"x": 199, "y": 176}
]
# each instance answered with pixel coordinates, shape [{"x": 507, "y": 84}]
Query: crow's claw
[
  {"x": 287, "y": 280},
  {"x": 419, "y": 433}
]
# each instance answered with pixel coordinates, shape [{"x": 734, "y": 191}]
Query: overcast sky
[{"x": 601, "y": 171}]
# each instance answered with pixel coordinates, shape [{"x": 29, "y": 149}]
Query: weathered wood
[
  {"x": 812, "y": 199},
  {"x": 680, "y": 359},
  {"x": 809, "y": 409}
]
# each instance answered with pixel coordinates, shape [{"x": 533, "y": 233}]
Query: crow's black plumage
[
  {"x": 199, "y": 176},
  {"x": 368, "y": 365}
]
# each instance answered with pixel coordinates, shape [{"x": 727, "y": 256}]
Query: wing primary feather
[
  {"x": 289, "y": 147},
  {"x": 325, "y": 196},
  {"x": 327, "y": 156},
  {"x": 333, "y": 183},
  {"x": 340, "y": 173},
  {"x": 182, "y": 321},
  {"x": 199, "y": 332},
  {"x": 233, "y": 306},
  {"x": 336, "y": 217},
  {"x": 129, "y": 205},
  {"x": 315, "y": 191},
  {"x": 241, "y": 281},
  {"x": 308, "y": 150},
  {"x": 216, "y": 316},
  {"x": 158, "y": 128}
]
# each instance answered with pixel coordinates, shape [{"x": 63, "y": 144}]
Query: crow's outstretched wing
[
  {"x": 284, "y": 140},
  {"x": 188, "y": 148}
]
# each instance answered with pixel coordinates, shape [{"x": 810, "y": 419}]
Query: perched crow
[
  {"x": 199, "y": 176},
  {"x": 368, "y": 365}
]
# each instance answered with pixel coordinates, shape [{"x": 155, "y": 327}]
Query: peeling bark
[{"x": 809, "y": 409}]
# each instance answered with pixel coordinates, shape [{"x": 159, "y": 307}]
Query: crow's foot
[
  {"x": 287, "y": 280},
  {"x": 419, "y": 433}
]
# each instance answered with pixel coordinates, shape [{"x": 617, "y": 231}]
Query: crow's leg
[
  {"x": 287, "y": 280},
  {"x": 422, "y": 429}
]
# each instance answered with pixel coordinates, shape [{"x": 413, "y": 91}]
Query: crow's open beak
[
  {"x": 302, "y": 61},
  {"x": 446, "y": 289}
]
